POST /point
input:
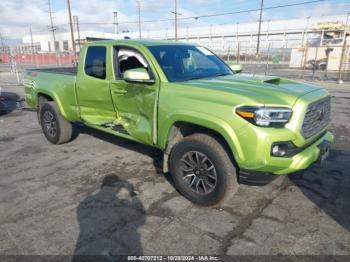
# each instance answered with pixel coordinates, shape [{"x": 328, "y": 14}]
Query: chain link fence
[
  {"x": 276, "y": 57},
  {"x": 310, "y": 63}
]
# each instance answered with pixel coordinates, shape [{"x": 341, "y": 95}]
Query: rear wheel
[
  {"x": 56, "y": 129},
  {"x": 202, "y": 170}
]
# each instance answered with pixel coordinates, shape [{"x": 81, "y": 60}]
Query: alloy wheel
[{"x": 198, "y": 172}]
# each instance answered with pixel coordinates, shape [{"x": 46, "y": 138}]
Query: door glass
[
  {"x": 95, "y": 62},
  {"x": 130, "y": 59}
]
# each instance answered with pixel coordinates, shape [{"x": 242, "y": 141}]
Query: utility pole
[
  {"x": 260, "y": 17},
  {"x": 31, "y": 39},
  {"x": 52, "y": 27},
  {"x": 237, "y": 44},
  {"x": 305, "y": 31},
  {"x": 139, "y": 12},
  {"x": 71, "y": 29},
  {"x": 347, "y": 19},
  {"x": 340, "y": 80},
  {"x": 267, "y": 31},
  {"x": 116, "y": 30},
  {"x": 2, "y": 43},
  {"x": 76, "y": 22},
  {"x": 175, "y": 14}
]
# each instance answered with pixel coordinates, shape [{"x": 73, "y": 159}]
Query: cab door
[
  {"x": 135, "y": 103},
  {"x": 92, "y": 88}
]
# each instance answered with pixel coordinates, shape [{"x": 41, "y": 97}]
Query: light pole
[
  {"x": 347, "y": 19},
  {"x": 76, "y": 22},
  {"x": 139, "y": 12},
  {"x": 116, "y": 24},
  {"x": 237, "y": 43},
  {"x": 31, "y": 39},
  {"x": 267, "y": 31},
  {"x": 259, "y": 29},
  {"x": 71, "y": 29},
  {"x": 175, "y": 14},
  {"x": 304, "y": 55},
  {"x": 305, "y": 30}
]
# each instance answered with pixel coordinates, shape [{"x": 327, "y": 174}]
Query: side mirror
[
  {"x": 236, "y": 68},
  {"x": 137, "y": 75}
]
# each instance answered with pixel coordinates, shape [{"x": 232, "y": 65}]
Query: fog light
[
  {"x": 283, "y": 149},
  {"x": 278, "y": 151}
]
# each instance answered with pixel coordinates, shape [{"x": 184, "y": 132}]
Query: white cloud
[
  {"x": 17, "y": 15},
  {"x": 323, "y": 9}
]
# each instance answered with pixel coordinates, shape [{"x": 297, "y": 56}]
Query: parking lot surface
[{"x": 101, "y": 194}]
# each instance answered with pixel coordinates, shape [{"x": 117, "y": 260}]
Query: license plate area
[{"x": 324, "y": 147}]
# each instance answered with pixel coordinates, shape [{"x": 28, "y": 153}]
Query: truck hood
[{"x": 260, "y": 89}]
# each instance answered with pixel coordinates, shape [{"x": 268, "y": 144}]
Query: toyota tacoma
[{"x": 216, "y": 126}]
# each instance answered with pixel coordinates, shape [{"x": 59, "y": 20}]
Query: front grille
[{"x": 317, "y": 117}]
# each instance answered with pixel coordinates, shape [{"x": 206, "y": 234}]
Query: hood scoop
[
  {"x": 271, "y": 80},
  {"x": 259, "y": 78}
]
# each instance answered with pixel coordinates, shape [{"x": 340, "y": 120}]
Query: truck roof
[{"x": 144, "y": 42}]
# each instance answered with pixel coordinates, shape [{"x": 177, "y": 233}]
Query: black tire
[
  {"x": 50, "y": 117},
  {"x": 181, "y": 168}
]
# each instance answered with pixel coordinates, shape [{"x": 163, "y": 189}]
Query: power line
[
  {"x": 252, "y": 10},
  {"x": 172, "y": 19},
  {"x": 210, "y": 15}
]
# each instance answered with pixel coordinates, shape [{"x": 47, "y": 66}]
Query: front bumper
[
  {"x": 308, "y": 156},
  {"x": 254, "y": 178},
  {"x": 287, "y": 165}
]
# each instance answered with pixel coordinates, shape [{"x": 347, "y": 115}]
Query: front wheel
[
  {"x": 202, "y": 170},
  {"x": 56, "y": 129}
]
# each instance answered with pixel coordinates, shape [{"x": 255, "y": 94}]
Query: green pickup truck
[{"x": 217, "y": 127}]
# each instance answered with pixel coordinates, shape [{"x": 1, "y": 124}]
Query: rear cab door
[{"x": 92, "y": 86}]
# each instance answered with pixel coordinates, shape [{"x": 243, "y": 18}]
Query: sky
[{"x": 17, "y": 16}]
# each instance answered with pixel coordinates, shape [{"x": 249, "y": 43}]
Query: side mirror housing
[
  {"x": 236, "y": 68},
  {"x": 137, "y": 75}
]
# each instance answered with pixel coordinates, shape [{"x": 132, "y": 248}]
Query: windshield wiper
[
  {"x": 200, "y": 77},
  {"x": 193, "y": 78},
  {"x": 223, "y": 74}
]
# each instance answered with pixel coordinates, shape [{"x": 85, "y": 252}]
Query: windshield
[{"x": 185, "y": 62}]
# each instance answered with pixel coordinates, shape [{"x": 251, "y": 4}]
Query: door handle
[{"x": 119, "y": 91}]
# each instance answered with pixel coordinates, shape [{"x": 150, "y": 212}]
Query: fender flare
[
  {"x": 54, "y": 98},
  {"x": 204, "y": 120}
]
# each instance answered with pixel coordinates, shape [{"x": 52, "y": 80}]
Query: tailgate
[{"x": 29, "y": 87}]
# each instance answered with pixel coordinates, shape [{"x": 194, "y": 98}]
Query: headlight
[{"x": 265, "y": 116}]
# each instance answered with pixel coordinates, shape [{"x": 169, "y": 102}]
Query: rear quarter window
[{"x": 95, "y": 62}]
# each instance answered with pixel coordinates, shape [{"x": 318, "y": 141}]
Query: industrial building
[
  {"x": 44, "y": 42},
  {"x": 274, "y": 34},
  {"x": 314, "y": 42}
]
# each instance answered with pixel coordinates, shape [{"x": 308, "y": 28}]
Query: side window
[
  {"x": 130, "y": 59},
  {"x": 95, "y": 62}
]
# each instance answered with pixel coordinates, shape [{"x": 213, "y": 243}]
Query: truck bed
[{"x": 57, "y": 70}]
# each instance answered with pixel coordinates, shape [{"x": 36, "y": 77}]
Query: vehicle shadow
[
  {"x": 9, "y": 102},
  {"x": 328, "y": 186},
  {"x": 108, "y": 221}
]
